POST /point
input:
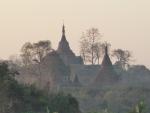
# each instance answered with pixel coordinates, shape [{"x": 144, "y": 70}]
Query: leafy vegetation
[
  {"x": 17, "y": 98},
  {"x": 118, "y": 99}
]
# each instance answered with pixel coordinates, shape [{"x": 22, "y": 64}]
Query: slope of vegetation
[
  {"x": 118, "y": 99},
  {"x": 17, "y": 98}
]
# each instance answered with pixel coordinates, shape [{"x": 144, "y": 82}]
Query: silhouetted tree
[
  {"x": 40, "y": 50},
  {"x": 100, "y": 50},
  {"x": 90, "y": 46},
  {"x": 123, "y": 58},
  {"x": 84, "y": 48},
  {"x": 34, "y": 54},
  {"x": 97, "y": 52},
  {"x": 27, "y": 54}
]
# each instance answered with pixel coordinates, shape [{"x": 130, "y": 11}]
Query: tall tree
[
  {"x": 90, "y": 45},
  {"x": 34, "y": 54},
  {"x": 27, "y": 54},
  {"x": 84, "y": 48},
  {"x": 123, "y": 58},
  {"x": 41, "y": 49},
  {"x": 99, "y": 50}
]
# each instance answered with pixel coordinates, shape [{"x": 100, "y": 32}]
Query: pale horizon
[{"x": 125, "y": 24}]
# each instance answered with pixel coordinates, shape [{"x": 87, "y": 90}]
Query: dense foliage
[{"x": 17, "y": 98}]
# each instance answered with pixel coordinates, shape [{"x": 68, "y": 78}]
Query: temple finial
[
  {"x": 106, "y": 49},
  {"x": 63, "y": 29},
  {"x": 106, "y": 45}
]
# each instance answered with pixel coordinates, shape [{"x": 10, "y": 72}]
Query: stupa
[
  {"x": 65, "y": 52},
  {"x": 107, "y": 74}
]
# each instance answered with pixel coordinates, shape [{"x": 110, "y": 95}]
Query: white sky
[{"x": 123, "y": 23}]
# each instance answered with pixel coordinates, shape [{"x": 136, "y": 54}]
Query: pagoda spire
[
  {"x": 63, "y": 30},
  {"x": 106, "y": 60},
  {"x": 63, "y": 34},
  {"x": 65, "y": 51},
  {"x": 106, "y": 49},
  {"x": 63, "y": 46}
]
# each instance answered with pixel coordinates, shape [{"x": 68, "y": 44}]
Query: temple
[
  {"x": 107, "y": 74},
  {"x": 65, "y": 51}
]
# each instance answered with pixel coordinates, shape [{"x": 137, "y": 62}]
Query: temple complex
[
  {"x": 63, "y": 68},
  {"x": 65, "y": 51}
]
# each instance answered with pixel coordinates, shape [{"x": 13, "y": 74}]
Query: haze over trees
[
  {"x": 19, "y": 98},
  {"x": 26, "y": 54},
  {"x": 35, "y": 52},
  {"x": 44, "y": 75}
]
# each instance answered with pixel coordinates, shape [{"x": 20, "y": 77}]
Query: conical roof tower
[
  {"x": 65, "y": 51},
  {"x": 106, "y": 63},
  {"x": 107, "y": 74},
  {"x": 63, "y": 47}
]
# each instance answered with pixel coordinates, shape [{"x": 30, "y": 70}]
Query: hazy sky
[{"x": 123, "y": 23}]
